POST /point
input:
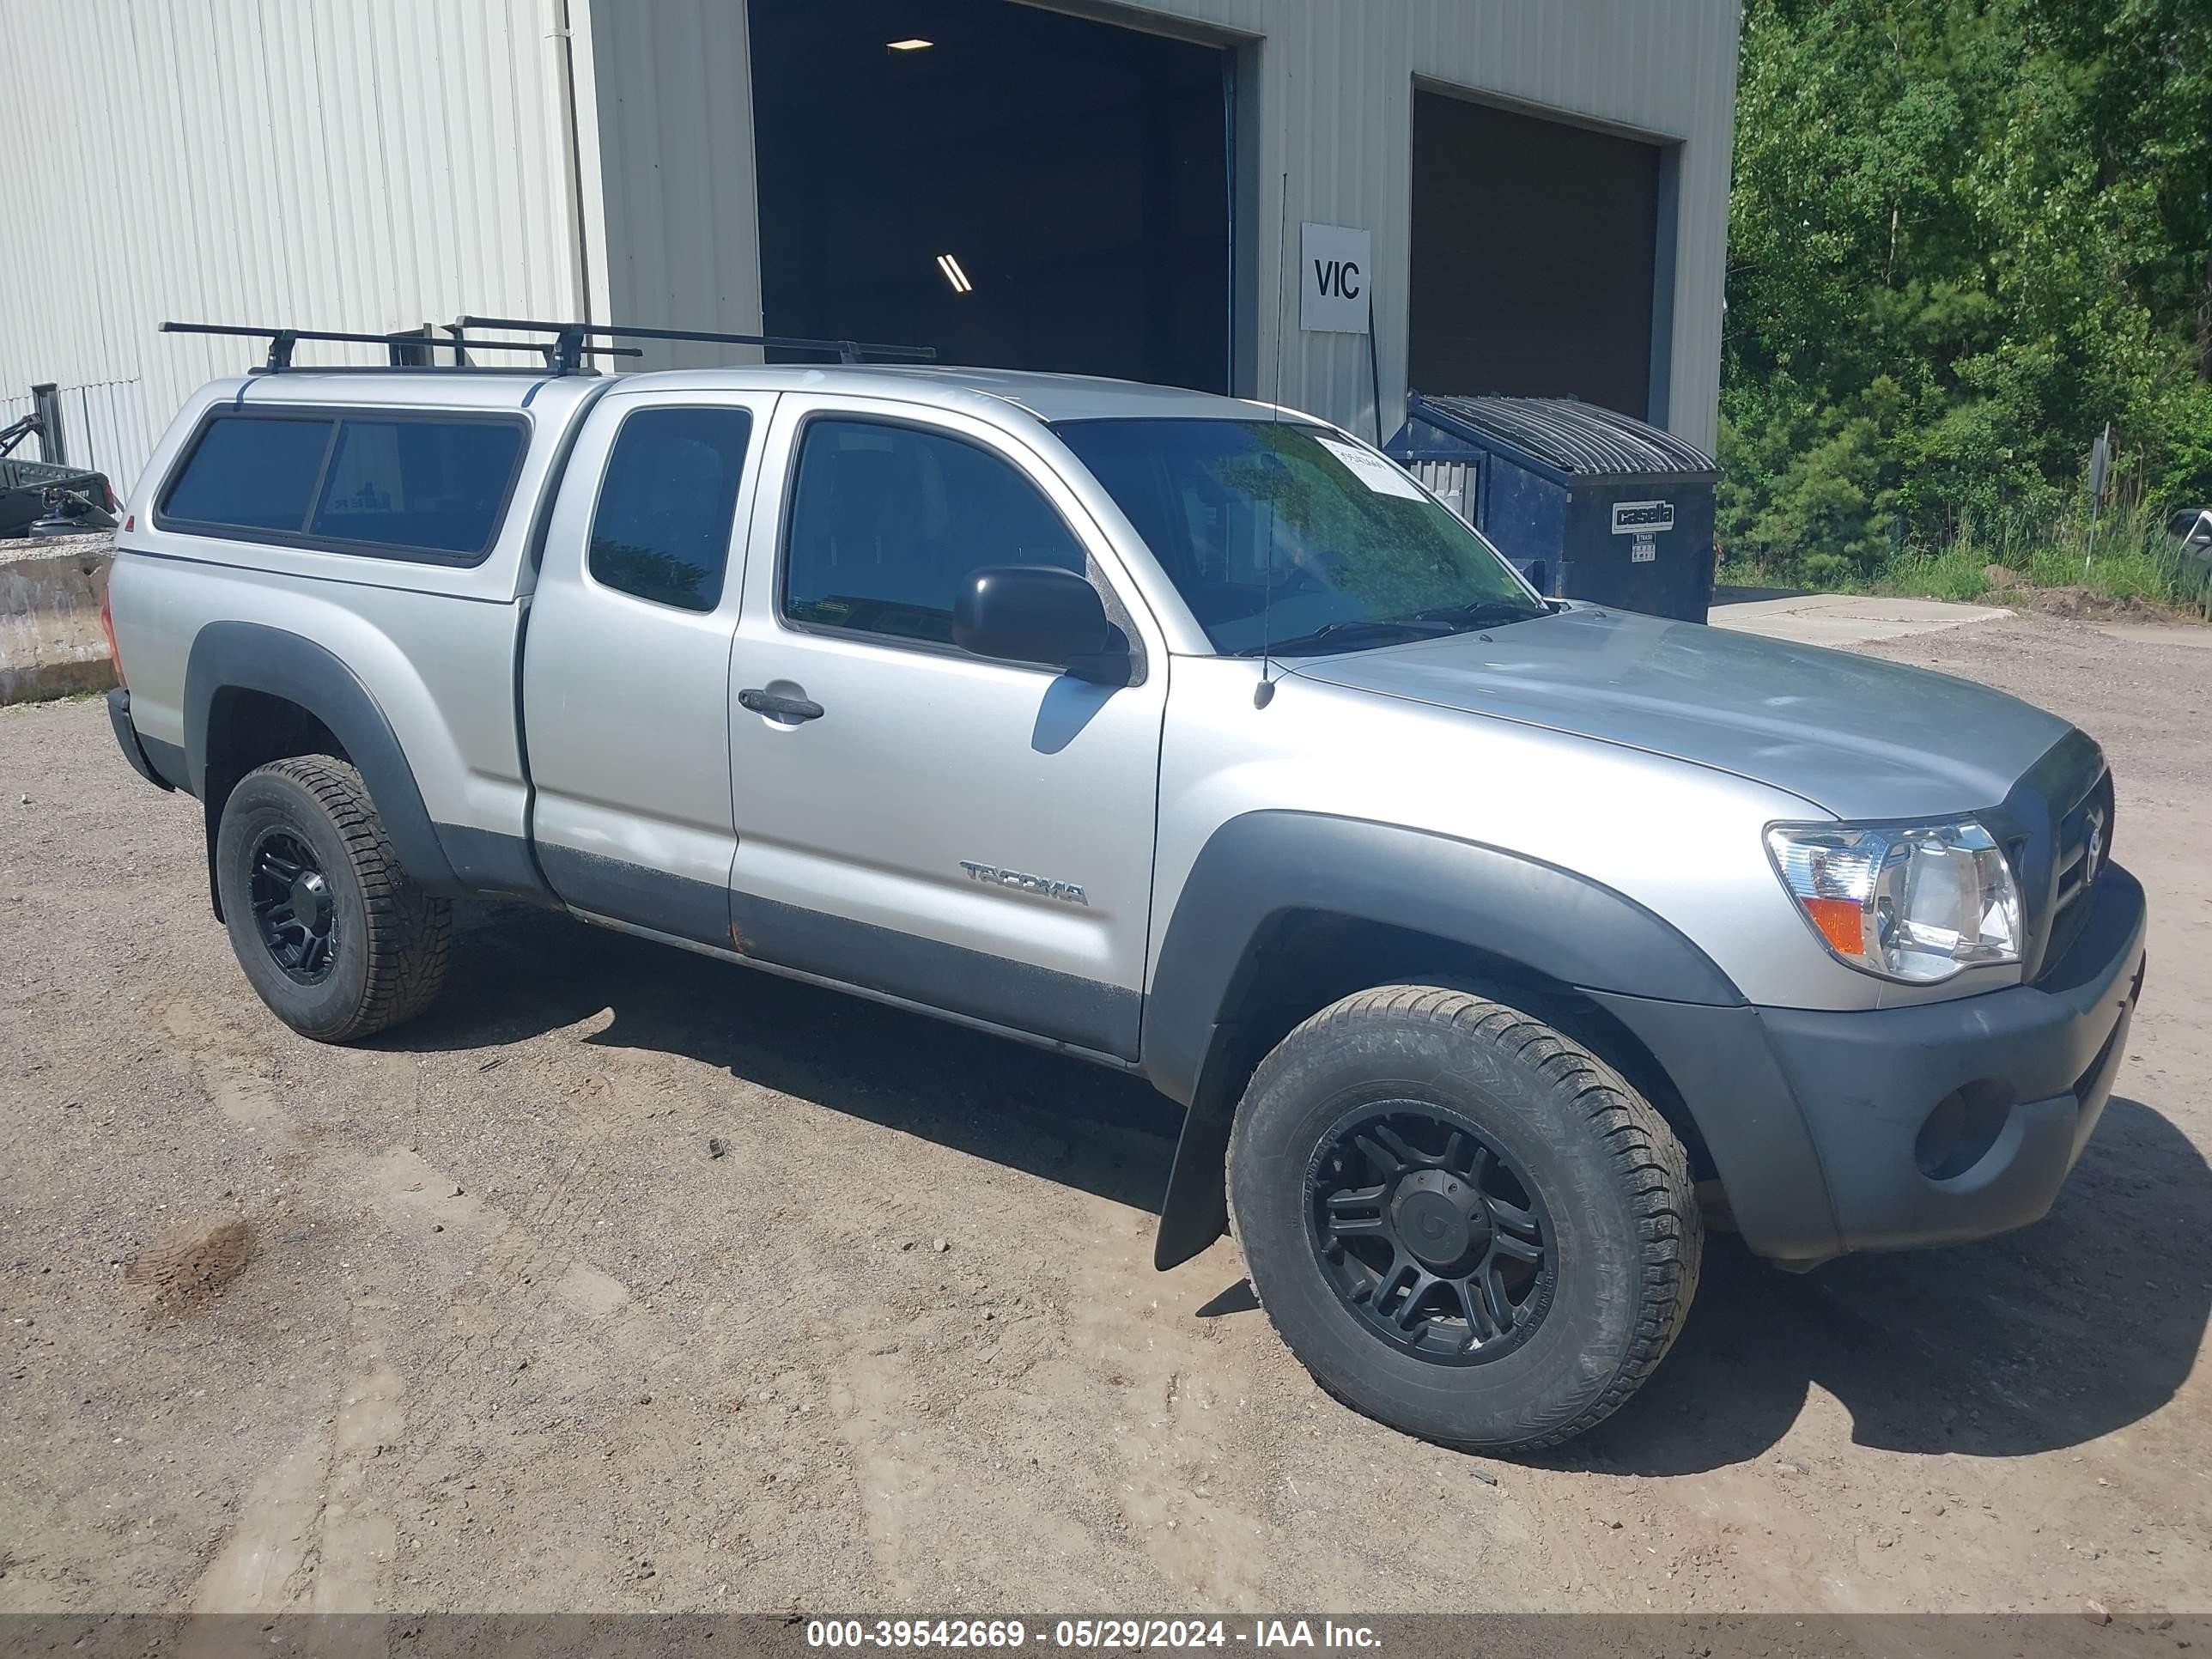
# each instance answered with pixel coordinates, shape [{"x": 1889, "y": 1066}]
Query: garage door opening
[
  {"x": 1014, "y": 187},
  {"x": 1537, "y": 259}
]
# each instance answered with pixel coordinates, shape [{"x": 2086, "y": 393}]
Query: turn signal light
[{"x": 1842, "y": 922}]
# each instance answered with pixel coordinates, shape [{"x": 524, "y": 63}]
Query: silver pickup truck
[{"x": 1495, "y": 945}]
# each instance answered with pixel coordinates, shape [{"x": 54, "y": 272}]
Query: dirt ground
[{"x": 473, "y": 1318}]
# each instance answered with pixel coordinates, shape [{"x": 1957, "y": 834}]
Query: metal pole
[
  {"x": 47, "y": 402},
  {"x": 1374, "y": 364},
  {"x": 2100, "y": 468}
]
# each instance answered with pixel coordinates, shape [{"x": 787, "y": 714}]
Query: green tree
[{"x": 1966, "y": 234}]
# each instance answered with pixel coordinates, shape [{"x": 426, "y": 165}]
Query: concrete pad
[
  {"x": 51, "y": 643},
  {"x": 2198, "y": 639},
  {"x": 1847, "y": 618}
]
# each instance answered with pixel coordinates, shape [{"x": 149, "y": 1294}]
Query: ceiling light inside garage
[
  {"x": 954, "y": 275},
  {"x": 914, "y": 42}
]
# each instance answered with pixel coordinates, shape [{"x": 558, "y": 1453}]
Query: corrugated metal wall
[
  {"x": 1334, "y": 86},
  {"x": 674, "y": 136},
  {"x": 105, "y": 425},
  {"x": 317, "y": 162},
  {"x": 379, "y": 165},
  {"x": 1326, "y": 94}
]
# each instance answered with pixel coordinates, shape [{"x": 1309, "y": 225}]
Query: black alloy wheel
[
  {"x": 295, "y": 911},
  {"x": 1429, "y": 1235}
]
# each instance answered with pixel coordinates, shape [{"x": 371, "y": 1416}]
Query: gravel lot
[{"x": 470, "y": 1318}]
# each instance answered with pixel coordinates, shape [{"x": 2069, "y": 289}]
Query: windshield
[{"x": 1282, "y": 535}]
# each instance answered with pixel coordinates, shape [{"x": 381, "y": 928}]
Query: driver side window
[{"x": 886, "y": 520}]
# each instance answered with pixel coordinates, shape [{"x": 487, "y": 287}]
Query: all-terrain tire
[
  {"x": 388, "y": 940},
  {"x": 1609, "y": 1177}
]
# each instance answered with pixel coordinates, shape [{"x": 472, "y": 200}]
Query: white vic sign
[{"x": 1335, "y": 264}]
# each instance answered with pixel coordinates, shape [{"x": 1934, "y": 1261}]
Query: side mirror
[
  {"x": 2193, "y": 526},
  {"x": 1039, "y": 613},
  {"x": 1539, "y": 577}
]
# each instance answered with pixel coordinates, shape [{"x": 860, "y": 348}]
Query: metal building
[{"x": 1330, "y": 199}]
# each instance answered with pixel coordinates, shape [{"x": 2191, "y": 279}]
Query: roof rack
[
  {"x": 402, "y": 346},
  {"x": 566, "y": 351}
]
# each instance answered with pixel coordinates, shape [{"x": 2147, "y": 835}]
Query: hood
[{"x": 1861, "y": 739}]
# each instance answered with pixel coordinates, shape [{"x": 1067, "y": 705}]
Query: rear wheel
[
  {"x": 1463, "y": 1222},
  {"x": 331, "y": 931}
]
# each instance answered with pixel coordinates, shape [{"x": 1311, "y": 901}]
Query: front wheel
[
  {"x": 331, "y": 931},
  {"x": 1463, "y": 1222}
]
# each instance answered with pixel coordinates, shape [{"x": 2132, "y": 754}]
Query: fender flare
[
  {"x": 253, "y": 657},
  {"x": 1258, "y": 869}
]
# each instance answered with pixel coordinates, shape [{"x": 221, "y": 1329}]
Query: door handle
[{"x": 774, "y": 703}]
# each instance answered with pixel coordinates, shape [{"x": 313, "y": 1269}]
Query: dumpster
[{"x": 1589, "y": 504}]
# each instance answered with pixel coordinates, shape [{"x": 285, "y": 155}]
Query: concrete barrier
[{"x": 51, "y": 644}]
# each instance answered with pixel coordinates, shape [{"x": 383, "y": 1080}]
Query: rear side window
[
  {"x": 661, "y": 529},
  {"x": 885, "y": 521},
  {"x": 251, "y": 474},
  {"x": 426, "y": 485},
  {"x": 396, "y": 487}
]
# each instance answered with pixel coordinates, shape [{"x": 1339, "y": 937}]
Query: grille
[{"x": 2091, "y": 820}]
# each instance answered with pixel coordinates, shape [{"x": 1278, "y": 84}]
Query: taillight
[
  {"x": 108, "y": 627},
  {"x": 108, "y": 490}
]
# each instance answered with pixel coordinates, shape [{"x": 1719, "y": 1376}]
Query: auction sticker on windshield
[{"x": 1383, "y": 478}]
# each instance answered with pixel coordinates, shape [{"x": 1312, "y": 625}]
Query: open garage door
[
  {"x": 1535, "y": 255},
  {"x": 1015, "y": 186}
]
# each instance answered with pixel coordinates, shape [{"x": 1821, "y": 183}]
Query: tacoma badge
[{"x": 1067, "y": 891}]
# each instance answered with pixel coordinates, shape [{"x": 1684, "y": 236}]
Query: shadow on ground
[
  {"x": 1723, "y": 594},
  {"x": 518, "y": 974},
  {"x": 2053, "y": 1336},
  {"x": 2068, "y": 1330}
]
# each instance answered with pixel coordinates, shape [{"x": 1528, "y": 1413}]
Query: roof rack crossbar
[
  {"x": 282, "y": 340},
  {"x": 569, "y": 338}
]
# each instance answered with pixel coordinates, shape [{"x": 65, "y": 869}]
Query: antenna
[{"x": 1264, "y": 693}]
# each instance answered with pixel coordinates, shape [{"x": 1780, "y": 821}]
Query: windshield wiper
[
  {"x": 1351, "y": 630},
  {"x": 1484, "y": 613}
]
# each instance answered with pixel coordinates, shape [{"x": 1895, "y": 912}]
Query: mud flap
[{"x": 1195, "y": 1211}]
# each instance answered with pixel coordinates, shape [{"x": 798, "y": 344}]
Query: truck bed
[{"x": 24, "y": 484}]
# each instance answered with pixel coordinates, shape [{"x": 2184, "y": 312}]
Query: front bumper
[
  {"x": 2043, "y": 1055},
  {"x": 1818, "y": 1122}
]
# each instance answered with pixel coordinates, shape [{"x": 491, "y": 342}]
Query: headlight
[{"x": 1915, "y": 904}]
